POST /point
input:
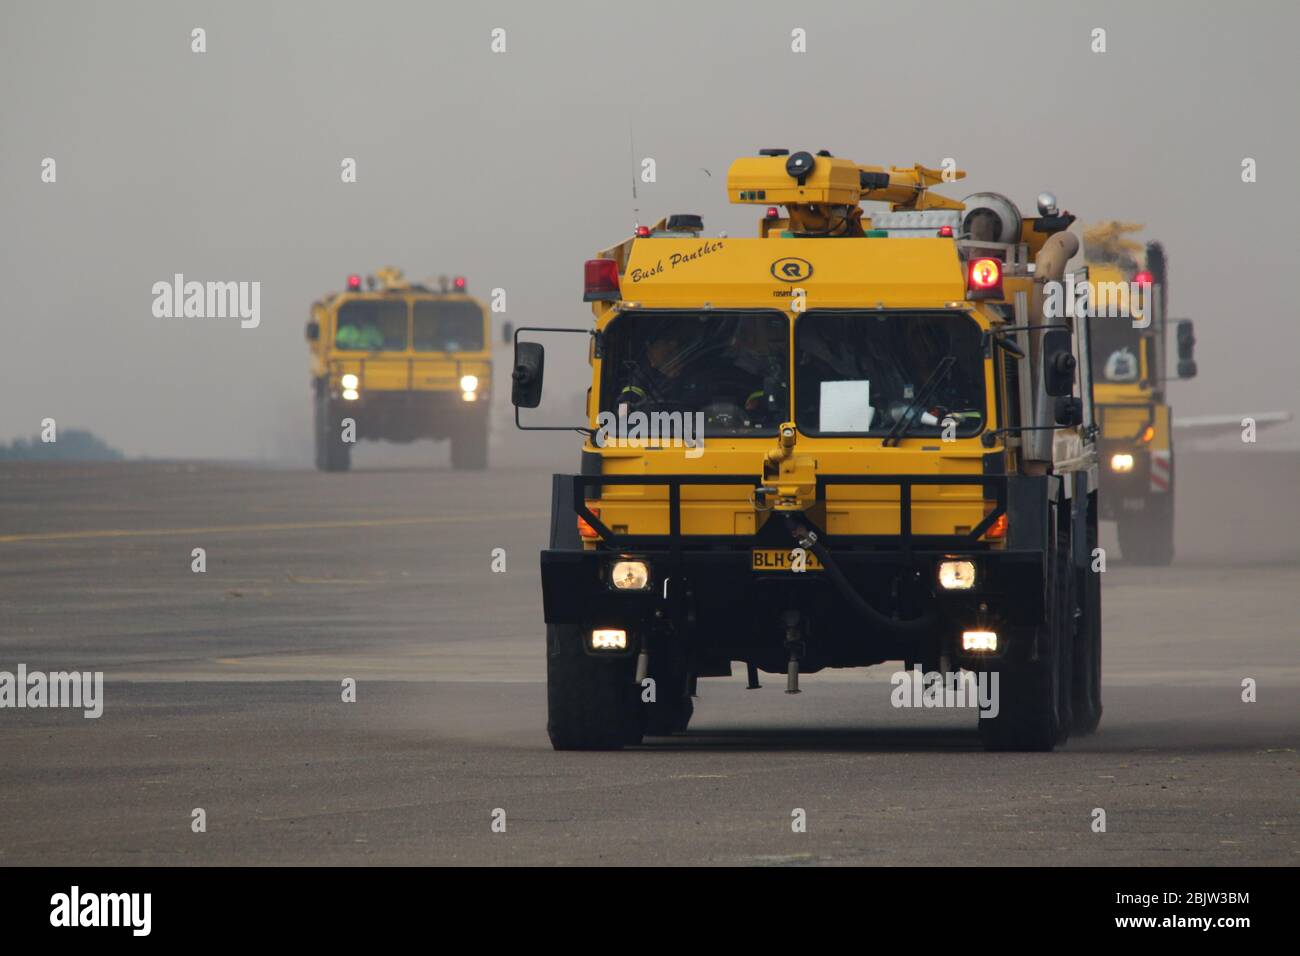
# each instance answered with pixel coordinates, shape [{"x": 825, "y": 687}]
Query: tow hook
[{"x": 794, "y": 646}]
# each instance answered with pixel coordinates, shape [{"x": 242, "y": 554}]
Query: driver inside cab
[{"x": 727, "y": 371}]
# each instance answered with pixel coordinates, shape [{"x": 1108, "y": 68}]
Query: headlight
[
  {"x": 957, "y": 575},
  {"x": 350, "y": 394},
  {"x": 469, "y": 383},
  {"x": 349, "y": 381},
  {"x": 1121, "y": 462},
  {"x": 608, "y": 639},
  {"x": 979, "y": 641},
  {"x": 630, "y": 575}
]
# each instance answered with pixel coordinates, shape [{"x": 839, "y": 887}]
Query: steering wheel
[{"x": 724, "y": 414}]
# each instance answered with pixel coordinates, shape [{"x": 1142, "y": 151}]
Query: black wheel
[
  {"x": 1033, "y": 692},
  {"x": 1148, "y": 537},
  {"x": 592, "y": 702},
  {"x": 1085, "y": 689},
  {"x": 671, "y": 710},
  {"x": 332, "y": 452},
  {"x": 469, "y": 445}
]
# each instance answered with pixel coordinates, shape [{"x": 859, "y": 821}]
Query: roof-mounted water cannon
[
  {"x": 390, "y": 277},
  {"x": 823, "y": 192}
]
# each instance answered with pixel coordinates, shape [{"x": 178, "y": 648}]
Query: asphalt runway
[{"x": 223, "y": 692}]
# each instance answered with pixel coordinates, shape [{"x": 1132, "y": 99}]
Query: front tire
[
  {"x": 332, "y": 452},
  {"x": 1148, "y": 538},
  {"x": 671, "y": 711},
  {"x": 1034, "y": 694},
  {"x": 592, "y": 702},
  {"x": 469, "y": 445}
]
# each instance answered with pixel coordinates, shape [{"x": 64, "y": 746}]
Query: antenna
[{"x": 631, "y": 148}]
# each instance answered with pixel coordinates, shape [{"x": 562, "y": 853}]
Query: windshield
[
  {"x": 856, "y": 373},
  {"x": 731, "y": 367},
  {"x": 372, "y": 325},
  {"x": 455, "y": 326},
  {"x": 1116, "y": 348}
]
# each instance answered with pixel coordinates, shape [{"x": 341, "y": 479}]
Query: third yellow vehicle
[
  {"x": 1136, "y": 441},
  {"x": 399, "y": 361}
]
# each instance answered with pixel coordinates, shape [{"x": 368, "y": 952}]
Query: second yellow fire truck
[{"x": 399, "y": 361}]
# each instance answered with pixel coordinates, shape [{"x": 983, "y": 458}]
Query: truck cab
[
  {"x": 848, "y": 440},
  {"x": 399, "y": 361}
]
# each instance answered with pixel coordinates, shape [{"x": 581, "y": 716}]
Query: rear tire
[
  {"x": 592, "y": 702},
  {"x": 1086, "y": 687}
]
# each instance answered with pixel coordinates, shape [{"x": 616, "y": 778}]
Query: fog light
[
  {"x": 979, "y": 641},
  {"x": 1121, "y": 462},
  {"x": 469, "y": 397},
  {"x": 630, "y": 575},
  {"x": 608, "y": 639},
  {"x": 957, "y": 575},
  {"x": 351, "y": 394},
  {"x": 350, "y": 381},
  {"x": 469, "y": 383}
]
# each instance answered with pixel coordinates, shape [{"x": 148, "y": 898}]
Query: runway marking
[{"x": 282, "y": 526}]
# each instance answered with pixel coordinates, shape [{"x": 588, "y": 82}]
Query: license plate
[{"x": 777, "y": 559}]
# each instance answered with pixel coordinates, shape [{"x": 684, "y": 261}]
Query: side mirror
[
  {"x": 1068, "y": 411},
  {"x": 530, "y": 361},
  {"x": 1058, "y": 363},
  {"x": 1186, "y": 349},
  {"x": 313, "y": 331},
  {"x": 507, "y": 332}
]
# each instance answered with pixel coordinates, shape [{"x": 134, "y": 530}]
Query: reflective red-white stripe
[{"x": 1160, "y": 471}]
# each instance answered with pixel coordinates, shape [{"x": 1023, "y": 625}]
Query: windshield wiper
[{"x": 932, "y": 383}]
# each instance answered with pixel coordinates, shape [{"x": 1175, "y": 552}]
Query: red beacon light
[
  {"x": 600, "y": 281},
  {"x": 1144, "y": 278},
  {"x": 643, "y": 232},
  {"x": 772, "y": 213},
  {"x": 945, "y": 232},
  {"x": 458, "y": 283},
  {"x": 354, "y": 283},
  {"x": 984, "y": 279}
]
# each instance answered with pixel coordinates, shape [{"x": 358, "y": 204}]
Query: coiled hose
[{"x": 805, "y": 538}]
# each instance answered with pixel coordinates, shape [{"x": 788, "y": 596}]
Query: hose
[{"x": 805, "y": 539}]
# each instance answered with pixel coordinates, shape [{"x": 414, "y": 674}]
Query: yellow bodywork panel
[
  {"x": 1125, "y": 409},
  {"x": 842, "y": 273},
  {"x": 848, "y": 509},
  {"x": 765, "y": 273},
  {"x": 405, "y": 369}
]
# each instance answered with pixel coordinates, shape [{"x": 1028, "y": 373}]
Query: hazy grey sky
[{"x": 513, "y": 168}]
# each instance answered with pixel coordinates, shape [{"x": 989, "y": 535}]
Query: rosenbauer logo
[{"x": 791, "y": 269}]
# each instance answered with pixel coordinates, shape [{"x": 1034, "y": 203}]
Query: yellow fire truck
[
  {"x": 852, "y": 439},
  {"x": 1136, "y": 444},
  {"x": 400, "y": 361}
]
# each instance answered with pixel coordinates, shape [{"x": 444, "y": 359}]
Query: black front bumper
[{"x": 709, "y": 587}]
